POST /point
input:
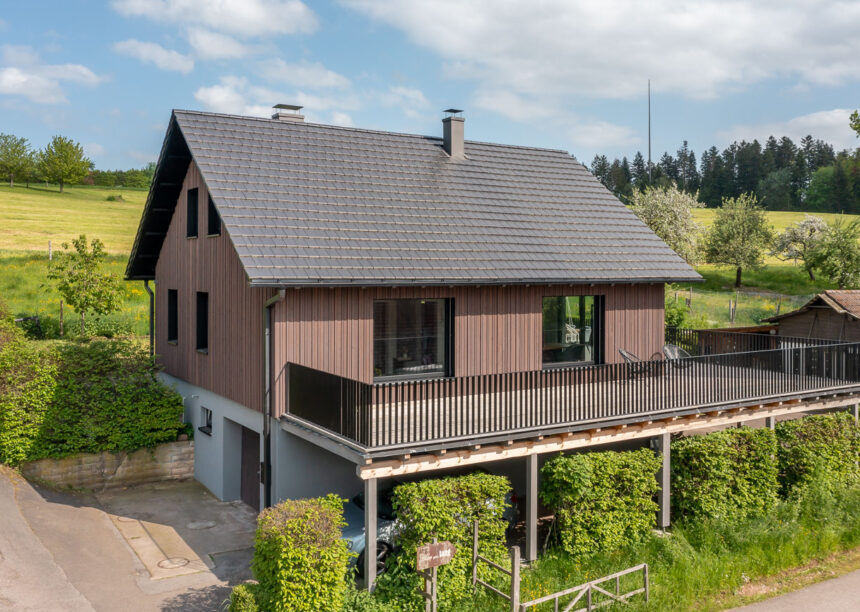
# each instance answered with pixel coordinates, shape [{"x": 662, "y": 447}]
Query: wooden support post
[
  {"x": 770, "y": 423},
  {"x": 531, "y": 507},
  {"x": 475, "y": 554},
  {"x": 664, "y": 480},
  {"x": 515, "y": 579},
  {"x": 370, "y": 500}
]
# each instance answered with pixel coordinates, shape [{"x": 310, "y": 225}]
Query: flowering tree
[
  {"x": 799, "y": 240},
  {"x": 668, "y": 212}
]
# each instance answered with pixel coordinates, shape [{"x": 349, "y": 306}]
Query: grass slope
[{"x": 29, "y": 218}]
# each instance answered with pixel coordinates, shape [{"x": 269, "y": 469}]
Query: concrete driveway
[{"x": 170, "y": 546}]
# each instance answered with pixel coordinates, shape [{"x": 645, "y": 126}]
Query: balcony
[{"x": 725, "y": 370}]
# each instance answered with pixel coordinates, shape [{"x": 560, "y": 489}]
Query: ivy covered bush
[
  {"x": 445, "y": 508},
  {"x": 826, "y": 445},
  {"x": 603, "y": 500},
  {"x": 726, "y": 474},
  {"x": 300, "y": 560},
  {"x": 62, "y": 398}
]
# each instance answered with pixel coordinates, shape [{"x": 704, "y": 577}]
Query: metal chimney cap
[
  {"x": 290, "y": 107},
  {"x": 453, "y": 111}
]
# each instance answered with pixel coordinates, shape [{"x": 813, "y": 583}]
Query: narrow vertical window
[
  {"x": 203, "y": 321},
  {"x": 172, "y": 315},
  {"x": 213, "y": 220},
  {"x": 191, "y": 228}
]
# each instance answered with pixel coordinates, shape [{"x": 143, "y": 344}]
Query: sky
[{"x": 562, "y": 74}]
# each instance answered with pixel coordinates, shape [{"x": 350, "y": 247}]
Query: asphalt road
[{"x": 836, "y": 595}]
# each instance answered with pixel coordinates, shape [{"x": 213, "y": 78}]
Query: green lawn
[
  {"x": 29, "y": 218},
  {"x": 779, "y": 219}
]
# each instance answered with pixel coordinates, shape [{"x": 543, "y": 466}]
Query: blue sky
[{"x": 551, "y": 73}]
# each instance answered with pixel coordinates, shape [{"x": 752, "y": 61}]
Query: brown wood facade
[
  {"x": 820, "y": 322},
  {"x": 497, "y": 329},
  {"x": 233, "y": 366}
]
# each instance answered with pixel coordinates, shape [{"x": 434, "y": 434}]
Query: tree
[
  {"x": 668, "y": 212},
  {"x": 63, "y": 161},
  {"x": 799, "y": 241},
  {"x": 774, "y": 190},
  {"x": 15, "y": 157},
  {"x": 837, "y": 254},
  {"x": 739, "y": 236},
  {"x": 855, "y": 122},
  {"x": 81, "y": 280}
]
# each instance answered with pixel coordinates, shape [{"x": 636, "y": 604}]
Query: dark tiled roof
[
  {"x": 843, "y": 301},
  {"x": 316, "y": 204}
]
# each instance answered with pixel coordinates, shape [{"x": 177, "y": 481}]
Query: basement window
[
  {"x": 202, "y": 322},
  {"x": 173, "y": 316},
  {"x": 213, "y": 220},
  {"x": 412, "y": 338},
  {"x": 191, "y": 213},
  {"x": 205, "y": 421}
]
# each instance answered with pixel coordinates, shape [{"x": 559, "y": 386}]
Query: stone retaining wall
[{"x": 171, "y": 461}]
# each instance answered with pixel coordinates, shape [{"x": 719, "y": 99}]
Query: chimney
[
  {"x": 452, "y": 133},
  {"x": 287, "y": 112}
]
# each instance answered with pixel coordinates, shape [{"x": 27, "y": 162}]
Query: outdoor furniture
[
  {"x": 676, "y": 356},
  {"x": 637, "y": 366}
]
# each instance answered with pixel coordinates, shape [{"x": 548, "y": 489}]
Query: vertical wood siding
[
  {"x": 496, "y": 329},
  {"x": 234, "y": 365},
  {"x": 821, "y": 323}
]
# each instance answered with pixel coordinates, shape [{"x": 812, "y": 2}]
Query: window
[
  {"x": 205, "y": 421},
  {"x": 191, "y": 217},
  {"x": 172, "y": 316},
  {"x": 412, "y": 338},
  {"x": 202, "y": 322},
  {"x": 213, "y": 220},
  {"x": 572, "y": 329}
]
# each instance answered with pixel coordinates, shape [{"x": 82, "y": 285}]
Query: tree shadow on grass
[{"x": 208, "y": 599}]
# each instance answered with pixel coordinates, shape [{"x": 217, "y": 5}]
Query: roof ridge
[{"x": 370, "y": 131}]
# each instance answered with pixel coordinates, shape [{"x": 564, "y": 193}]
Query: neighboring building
[
  {"x": 376, "y": 304},
  {"x": 834, "y": 315}
]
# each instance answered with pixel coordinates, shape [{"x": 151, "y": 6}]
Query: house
[
  {"x": 834, "y": 315},
  {"x": 339, "y": 306}
]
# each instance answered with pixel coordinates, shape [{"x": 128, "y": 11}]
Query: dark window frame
[
  {"x": 213, "y": 220},
  {"x": 206, "y": 419},
  {"x": 448, "y": 313},
  {"x": 173, "y": 316},
  {"x": 192, "y": 213},
  {"x": 598, "y": 334},
  {"x": 202, "y": 320}
]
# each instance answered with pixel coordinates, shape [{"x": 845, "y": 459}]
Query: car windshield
[{"x": 384, "y": 509}]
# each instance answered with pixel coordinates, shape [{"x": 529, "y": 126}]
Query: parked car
[{"x": 387, "y": 525}]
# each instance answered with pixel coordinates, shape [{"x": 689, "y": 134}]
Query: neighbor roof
[
  {"x": 842, "y": 301},
  {"x": 308, "y": 204}
]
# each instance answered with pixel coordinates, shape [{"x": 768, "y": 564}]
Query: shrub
[
  {"x": 828, "y": 441},
  {"x": 601, "y": 501},
  {"x": 300, "y": 559},
  {"x": 446, "y": 508},
  {"x": 243, "y": 598},
  {"x": 72, "y": 397},
  {"x": 114, "y": 198},
  {"x": 726, "y": 474}
]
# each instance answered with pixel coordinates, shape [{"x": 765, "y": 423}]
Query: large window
[
  {"x": 412, "y": 338},
  {"x": 191, "y": 213},
  {"x": 202, "y": 321},
  {"x": 213, "y": 220},
  {"x": 572, "y": 329},
  {"x": 172, "y": 315}
]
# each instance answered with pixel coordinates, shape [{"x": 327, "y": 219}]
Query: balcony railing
[{"x": 726, "y": 369}]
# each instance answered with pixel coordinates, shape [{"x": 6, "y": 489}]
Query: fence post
[
  {"x": 647, "y": 592},
  {"x": 515, "y": 579},
  {"x": 475, "y": 554}
]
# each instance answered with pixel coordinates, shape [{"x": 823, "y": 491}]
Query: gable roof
[
  {"x": 842, "y": 301},
  {"x": 308, "y": 204}
]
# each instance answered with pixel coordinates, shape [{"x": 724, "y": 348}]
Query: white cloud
[
  {"x": 303, "y": 74},
  {"x": 240, "y": 17},
  {"x": 557, "y": 50},
  {"x": 153, "y": 53},
  {"x": 94, "y": 149},
  {"x": 830, "y": 126},
  {"x": 341, "y": 119},
  {"x": 409, "y": 99},
  {"x": 23, "y": 73},
  {"x": 213, "y": 45}
]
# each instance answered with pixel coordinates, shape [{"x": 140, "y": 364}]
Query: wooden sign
[{"x": 434, "y": 555}]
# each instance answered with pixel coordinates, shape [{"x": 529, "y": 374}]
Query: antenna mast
[{"x": 649, "y": 131}]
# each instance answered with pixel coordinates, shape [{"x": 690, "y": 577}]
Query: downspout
[
  {"x": 151, "y": 318},
  {"x": 267, "y": 401}
]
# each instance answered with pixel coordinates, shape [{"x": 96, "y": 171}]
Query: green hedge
[
  {"x": 445, "y": 508},
  {"x": 725, "y": 474},
  {"x": 827, "y": 443},
  {"x": 603, "y": 500},
  {"x": 62, "y": 398},
  {"x": 300, "y": 560}
]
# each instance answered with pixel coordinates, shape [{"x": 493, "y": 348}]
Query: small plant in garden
[{"x": 82, "y": 281}]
